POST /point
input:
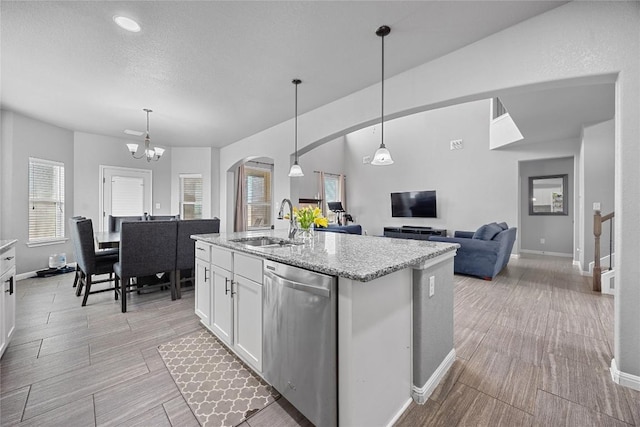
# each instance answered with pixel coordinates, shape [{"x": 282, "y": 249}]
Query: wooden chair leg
[
  {"x": 124, "y": 283},
  {"x": 178, "y": 287},
  {"x": 87, "y": 290},
  {"x": 81, "y": 281},
  {"x": 75, "y": 280}
]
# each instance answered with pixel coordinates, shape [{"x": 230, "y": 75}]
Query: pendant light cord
[
  {"x": 382, "y": 107},
  {"x": 296, "y": 121}
]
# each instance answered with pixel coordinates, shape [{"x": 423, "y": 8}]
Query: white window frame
[
  {"x": 182, "y": 202},
  {"x": 60, "y": 202},
  {"x": 268, "y": 204}
]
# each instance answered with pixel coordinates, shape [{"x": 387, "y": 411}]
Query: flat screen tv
[{"x": 414, "y": 204}]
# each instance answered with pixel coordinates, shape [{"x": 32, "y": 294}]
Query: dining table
[{"x": 107, "y": 239}]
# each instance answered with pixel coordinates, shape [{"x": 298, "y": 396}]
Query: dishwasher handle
[{"x": 317, "y": 290}]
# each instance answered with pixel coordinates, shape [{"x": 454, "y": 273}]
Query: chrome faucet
[{"x": 293, "y": 225}]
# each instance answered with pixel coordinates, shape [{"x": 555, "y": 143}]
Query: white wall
[
  {"x": 90, "y": 151},
  {"x": 328, "y": 157},
  {"x": 196, "y": 160},
  {"x": 24, "y": 137},
  {"x": 598, "y": 158},
  {"x": 594, "y": 41},
  {"x": 556, "y": 230},
  {"x": 474, "y": 186}
]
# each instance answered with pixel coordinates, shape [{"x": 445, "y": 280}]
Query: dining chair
[
  {"x": 146, "y": 248},
  {"x": 115, "y": 222},
  {"x": 186, "y": 253},
  {"x": 88, "y": 263}
]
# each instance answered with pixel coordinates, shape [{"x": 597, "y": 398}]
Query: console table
[{"x": 416, "y": 233}]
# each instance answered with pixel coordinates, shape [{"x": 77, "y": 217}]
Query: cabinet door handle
[
  {"x": 232, "y": 291},
  {"x": 9, "y": 258},
  {"x": 206, "y": 279},
  {"x": 200, "y": 249},
  {"x": 10, "y": 290},
  {"x": 226, "y": 289}
]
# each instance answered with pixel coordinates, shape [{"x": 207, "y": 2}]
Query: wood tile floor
[{"x": 533, "y": 348}]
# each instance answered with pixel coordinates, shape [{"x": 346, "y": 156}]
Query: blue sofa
[
  {"x": 483, "y": 253},
  {"x": 346, "y": 229}
]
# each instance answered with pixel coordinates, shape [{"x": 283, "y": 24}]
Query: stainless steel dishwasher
[{"x": 300, "y": 339}]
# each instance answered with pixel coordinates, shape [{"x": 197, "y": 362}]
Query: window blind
[
  {"x": 127, "y": 196},
  {"x": 46, "y": 200},
  {"x": 191, "y": 191}
]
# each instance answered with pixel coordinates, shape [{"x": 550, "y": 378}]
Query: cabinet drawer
[
  {"x": 203, "y": 251},
  {"x": 247, "y": 266},
  {"x": 7, "y": 260},
  {"x": 221, "y": 257}
]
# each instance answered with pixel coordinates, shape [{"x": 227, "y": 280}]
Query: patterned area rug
[{"x": 220, "y": 389}]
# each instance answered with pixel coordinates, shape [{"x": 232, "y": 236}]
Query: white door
[
  {"x": 125, "y": 192},
  {"x": 247, "y": 309},
  {"x": 203, "y": 291},
  {"x": 222, "y": 315}
]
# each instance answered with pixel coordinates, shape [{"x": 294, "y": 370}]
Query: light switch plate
[
  {"x": 366, "y": 160},
  {"x": 455, "y": 144}
]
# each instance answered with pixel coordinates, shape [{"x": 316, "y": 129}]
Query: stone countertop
[
  {"x": 5, "y": 244},
  {"x": 355, "y": 257}
]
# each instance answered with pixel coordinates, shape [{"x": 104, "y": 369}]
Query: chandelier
[{"x": 149, "y": 153}]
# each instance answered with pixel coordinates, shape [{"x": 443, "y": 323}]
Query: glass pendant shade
[
  {"x": 132, "y": 148},
  {"x": 296, "y": 170},
  {"x": 382, "y": 157}
]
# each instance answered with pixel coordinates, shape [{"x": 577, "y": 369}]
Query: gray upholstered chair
[
  {"x": 185, "y": 254},
  {"x": 146, "y": 248},
  {"x": 88, "y": 263},
  {"x": 115, "y": 222}
]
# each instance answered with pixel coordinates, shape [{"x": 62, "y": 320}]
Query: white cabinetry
[
  {"x": 7, "y": 295},
  {"x": 231, "y": 283},
  {"x": 203, "y": 285}
]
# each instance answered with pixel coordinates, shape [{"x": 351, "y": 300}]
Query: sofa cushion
[
  {"x": 487, "y": 231},
  {"x": 503, "y": 225}
]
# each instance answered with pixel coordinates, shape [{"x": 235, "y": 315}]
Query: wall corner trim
[
  {"x": 421, "y": 394},
  {"x": 622, "y": 378}
]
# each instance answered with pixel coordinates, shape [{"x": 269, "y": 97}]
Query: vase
[{"x": 306, "y": 234}]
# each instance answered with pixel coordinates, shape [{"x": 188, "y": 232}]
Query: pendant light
[
  {"x": 382, "y": 156},
  {"x": 296, "y": 170},
  {"x": 149, "y": 153}
]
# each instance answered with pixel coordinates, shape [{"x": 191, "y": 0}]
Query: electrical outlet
[
  {"x": 157, "y": 205},
  {"x": 432, "y": 286},
  {"x": 455, "y": 144},
  {"x": 542, "y": 240},
  {"x": 366, "y": 160}
]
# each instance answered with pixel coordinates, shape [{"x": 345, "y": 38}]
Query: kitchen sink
[{"x": 264, "y": 241}]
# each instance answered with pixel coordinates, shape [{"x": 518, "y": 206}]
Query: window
[
  {"x": 498, "y": 108},
  {"x": 191, "y": 196},
  {"x": 258, "y": 195},
  {"x": 46, "y": 201},
  {"x": 331, "y": 193}
]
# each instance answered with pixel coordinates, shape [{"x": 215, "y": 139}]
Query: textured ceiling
[{"x": 215, "y": 72}]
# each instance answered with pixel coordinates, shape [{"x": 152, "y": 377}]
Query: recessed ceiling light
[{"x": 126, "y": 23}]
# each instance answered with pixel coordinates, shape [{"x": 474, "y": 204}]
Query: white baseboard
[
  {"x": 527, "y": 251},
  {"x": 421, "y": 394},
  {"x": 622, "y": 378},
  {"x": 397, "y": 416}
]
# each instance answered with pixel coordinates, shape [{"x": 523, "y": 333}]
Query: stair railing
[{"x": 598, "y": 219}]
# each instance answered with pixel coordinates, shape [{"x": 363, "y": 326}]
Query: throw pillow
[
  {"x": 487, "y": 232},
  {"x": 503, "y": 225}
]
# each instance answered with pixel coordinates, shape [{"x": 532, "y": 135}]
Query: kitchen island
[{"x": 393, "y": 315}]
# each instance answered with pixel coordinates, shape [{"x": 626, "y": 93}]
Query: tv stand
[{"x": 413, "y": 232}]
